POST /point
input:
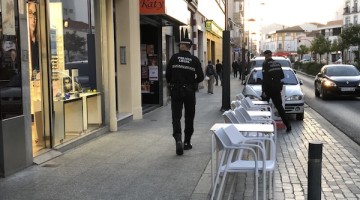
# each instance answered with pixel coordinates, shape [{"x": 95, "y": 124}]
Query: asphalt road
[{"x": 343, "y": 113}]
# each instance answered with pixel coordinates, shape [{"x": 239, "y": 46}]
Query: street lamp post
[{"x": 226, "y": 64}]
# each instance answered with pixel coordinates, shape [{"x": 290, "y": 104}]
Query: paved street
[{"x": 139, "y": 162}]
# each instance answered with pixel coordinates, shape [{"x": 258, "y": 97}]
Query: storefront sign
[
  {"x": 213, "y": 28},
  {"x": 176, "y": 9},
  {"x": 152, "y": 6}
]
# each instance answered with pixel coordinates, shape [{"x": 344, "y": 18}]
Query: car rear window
[{"x": 256, "y": 77}]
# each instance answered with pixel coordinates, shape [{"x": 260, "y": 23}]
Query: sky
[{"x": 294, "y": 12}]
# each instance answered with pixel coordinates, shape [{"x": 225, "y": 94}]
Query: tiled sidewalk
[
  {"x": 340, "y": 163},
  {"x": 139, "y": 162}
]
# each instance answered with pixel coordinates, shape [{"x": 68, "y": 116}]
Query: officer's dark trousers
[
  {"x": 277, "y": 101},
  {"x": 183, "y": 95}
]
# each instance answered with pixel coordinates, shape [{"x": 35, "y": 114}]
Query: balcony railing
[{"x": 346, "y": 10}]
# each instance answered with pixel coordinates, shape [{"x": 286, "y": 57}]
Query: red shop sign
[{"x": 152, "y": 6}]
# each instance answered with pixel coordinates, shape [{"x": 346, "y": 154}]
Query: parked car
[
  {"x": 305, "y": 60},
  {"x": 337, "y": 80},
  {"x": 294, "y": 97},
  {"x": 258, "y": 61}
]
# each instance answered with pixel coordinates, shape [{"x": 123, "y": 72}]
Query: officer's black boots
[
  {"x": 288, "y": 128},
  {"x": 187, "y": 145},
  {"x": 179, "y": 148}
]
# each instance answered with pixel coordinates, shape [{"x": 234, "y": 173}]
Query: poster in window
[
  {"x": 8, "y": 19},
  {"x": 150, "y": 49},
  {"x": 144, "y": 72},
  {"x": 153, "y": 69},
  {"x": 153, "y": 73}
]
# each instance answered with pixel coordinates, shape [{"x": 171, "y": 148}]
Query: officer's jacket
[
  {"x": 272, "y": 75},
  {"x": 184, "y": 69}
]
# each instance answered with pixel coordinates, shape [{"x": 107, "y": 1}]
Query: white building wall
[{"x": 211, "y": 10}]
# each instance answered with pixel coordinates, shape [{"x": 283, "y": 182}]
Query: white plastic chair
[
  {"x": 242, "y": 116},
  {"x": 229, "y": 117},
  {"x": 248, "y": 119},
  {"x": 240, "y": 96},
  {"x": 234, "y": 104},
  {"x": 227, "y": 164},
  {"x": 247, "y": 104},
  {"x": 267, "y": 164}
]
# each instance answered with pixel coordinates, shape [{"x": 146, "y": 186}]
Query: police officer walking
[
  {"x": 183, "y": 73},
  {"x": 272, "y": 85}
]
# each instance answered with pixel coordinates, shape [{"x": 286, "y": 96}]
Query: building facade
[
  {"x": 351, "y": 16},
  {"x": 62, "y": 74},
  {"x": 73, "y": 70}
]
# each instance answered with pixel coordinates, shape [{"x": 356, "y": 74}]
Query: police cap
[
  {"x": 186, "y": 41},
  {"x": 267, "y": 52}
]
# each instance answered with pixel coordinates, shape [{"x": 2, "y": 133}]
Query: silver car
[{"x": 294, "y": 97}]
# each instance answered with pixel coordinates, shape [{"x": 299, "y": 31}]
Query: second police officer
[
  {"x": 272, "y": 85},
  {"x": 183, "y": 73}
]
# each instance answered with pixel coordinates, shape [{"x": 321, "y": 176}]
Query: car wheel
[
  {"x": 299, "y": 116},
  {"x": 317, "y": 93}
]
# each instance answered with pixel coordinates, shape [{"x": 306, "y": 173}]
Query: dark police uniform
[
  {"x": 183, "y": 74},
  {"x": 272, "y": 86}
]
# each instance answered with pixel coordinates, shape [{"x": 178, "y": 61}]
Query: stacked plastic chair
[
  {"x": 227, "y": 165},
  {"x": 261, "y": 146},
  {"x": 230, "y": 143}
]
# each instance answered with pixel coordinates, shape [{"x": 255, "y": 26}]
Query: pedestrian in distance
[
  {"x": 244, "y": 66},
  {"x": 219, "y": 68},
  {"x": 183, "y": 74},
  {"x": 272, "y": 85},
  {"x": 210, "y": 72},
  {"x": 235, "y": 68}
]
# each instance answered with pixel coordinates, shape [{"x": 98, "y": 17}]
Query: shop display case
[{"x": 75, "y": 110}]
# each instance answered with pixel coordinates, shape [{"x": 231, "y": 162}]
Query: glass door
[{"x": 35, "y": 70}]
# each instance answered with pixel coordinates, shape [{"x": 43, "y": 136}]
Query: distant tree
[
  {"x": 320, "y": 45},
  {"x": 351, "y": 37},
  {"x": 314, "y": 47},
  {"x": 302, "y": 50},
  {"x": 339, "y": 45},
  {"x": 327, "y": 48},
  {"x": 73, "y": 43}
]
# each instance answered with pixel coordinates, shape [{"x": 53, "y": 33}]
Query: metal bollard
[{"x": 314, "y": 171}]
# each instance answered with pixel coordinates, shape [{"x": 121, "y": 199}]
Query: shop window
[
  {"x": 72, "y": 54},
  {"x": 10, "y": 66}
]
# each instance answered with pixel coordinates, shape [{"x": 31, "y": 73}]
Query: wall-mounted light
[{"x": 66, "y": 23}]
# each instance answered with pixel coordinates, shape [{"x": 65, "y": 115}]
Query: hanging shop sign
[
  {"x": 173, "y": 9},
  {"x": 213, "y": 28},
  {"x": 152, "y": 6}
]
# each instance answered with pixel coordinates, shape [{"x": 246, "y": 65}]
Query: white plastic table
[
  {"x": 260, "y": 102},
  {"x": 258, "y": 113}
]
